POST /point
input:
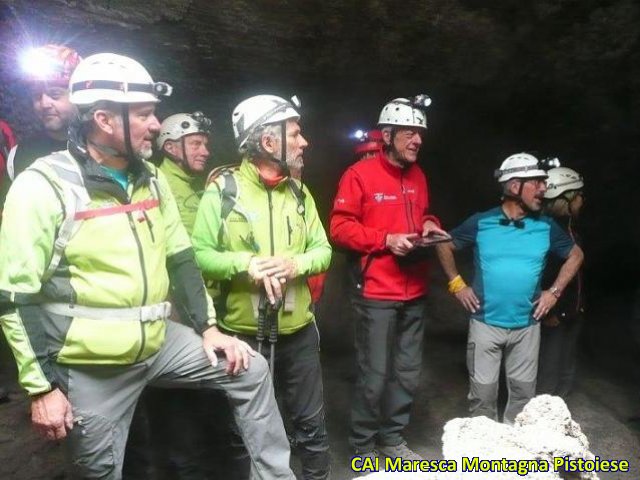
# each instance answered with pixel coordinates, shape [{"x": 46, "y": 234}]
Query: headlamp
[
  {"x": 421, "y": 101},
  {"x": 36, "y": 64},
  {"x": 359, "y": 135},
  {"x": 549, "y": 163},
  {"x": 296, "y": 101},
  {"x": 162, "y": 89},
  {"x": 204, "y": 123}
]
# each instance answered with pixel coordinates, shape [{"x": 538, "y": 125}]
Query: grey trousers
[
  {"x": 103, "y": 398},
  {"x": 486, "y": 345}
]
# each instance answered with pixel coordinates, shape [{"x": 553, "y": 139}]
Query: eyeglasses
[{"x": 537, "y": 182}]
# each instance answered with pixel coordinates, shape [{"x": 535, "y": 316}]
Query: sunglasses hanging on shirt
[{"x": 505, "y": 222}]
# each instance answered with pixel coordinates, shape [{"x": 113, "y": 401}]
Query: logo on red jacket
[{"x": 380, "y": 196}]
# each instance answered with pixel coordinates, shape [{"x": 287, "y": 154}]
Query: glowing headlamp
[
  {"x": 359, "y": 135},
  {"x": 549, "y": 163},
  {"x": 35, "y": 63},
  {"x": 421, "y": 101}
]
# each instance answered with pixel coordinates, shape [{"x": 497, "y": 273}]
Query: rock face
[{"x": 543, "y": 431}]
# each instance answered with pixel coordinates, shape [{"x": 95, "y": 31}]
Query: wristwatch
[{"x": 555, "y": 291}]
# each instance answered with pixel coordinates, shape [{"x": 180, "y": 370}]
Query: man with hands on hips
[{"x": 511, "y": 243}]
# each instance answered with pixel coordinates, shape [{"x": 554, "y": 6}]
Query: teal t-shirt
[{"x": 120, "y": 176}]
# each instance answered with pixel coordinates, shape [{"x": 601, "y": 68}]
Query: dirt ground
[
  {"x": 600, "y": 404},
  {"x": 605, "y": 397}
]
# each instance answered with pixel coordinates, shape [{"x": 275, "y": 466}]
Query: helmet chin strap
[
  {"x": 135, "y": 164},
  {"x": 518, "y": 198},
  {"x": 183, "y": 162},
  {"x": 281, "y": 159}
]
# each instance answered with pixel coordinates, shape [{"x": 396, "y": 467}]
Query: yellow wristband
[{"x": 456, "y": 285}]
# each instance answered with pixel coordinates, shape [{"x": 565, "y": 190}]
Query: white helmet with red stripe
[{"x": 114, "y": 78}]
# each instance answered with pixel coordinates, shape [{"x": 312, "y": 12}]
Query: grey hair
[
  {"x": 85, "y": 113},
  {"x": 506, "y": 186},
  {"x": 253, "y": 146}
]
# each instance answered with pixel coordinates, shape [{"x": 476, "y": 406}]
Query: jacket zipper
[
  {"x": 144, "y": 283},
  {"x": 289, "y": 229},
  {"x": 150, "y": 224},
  {"x": 409, "y": 222},
  {"x": 408, "y": 209}
]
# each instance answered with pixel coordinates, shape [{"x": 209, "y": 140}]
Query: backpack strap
[
  {"x": 11, "y": 159},
  {"x": 299, "y": 194},
  {"x": 228, "y": 194},
  {"x": 75, "y": 197},
  {"x": 227, "y": 186}
]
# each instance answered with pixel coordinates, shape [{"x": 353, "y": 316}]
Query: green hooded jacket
[{"x": 263, "y": 222}]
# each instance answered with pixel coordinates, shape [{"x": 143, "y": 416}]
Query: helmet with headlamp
[
  {"x": 179, "y": 125},
  {"x": 405, "y": 112},
  {"x": 113, "y": 78},
  {"x": 50, "y": 64}
]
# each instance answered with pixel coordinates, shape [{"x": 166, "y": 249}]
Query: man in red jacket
[{"x": 380, "y": 214}]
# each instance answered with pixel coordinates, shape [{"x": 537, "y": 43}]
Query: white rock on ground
[{"x": 543, "y": 430}]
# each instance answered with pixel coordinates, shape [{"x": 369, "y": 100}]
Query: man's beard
[
  {"x": 295, "y": 163},
  {"x": 144, "y": 154}
]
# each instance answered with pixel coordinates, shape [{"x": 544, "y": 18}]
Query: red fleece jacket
[{"x": 376, "y": 198}]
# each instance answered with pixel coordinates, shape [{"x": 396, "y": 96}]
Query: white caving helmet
[
  {"x": 520, "y": 165},
  {"x": 405, "y": 112},
  {"x": 179, "y": 125},
  {"x": 561, "y": 180},
  {"x": 260, "y": 110},
  {"x": 116, "y": 78}
]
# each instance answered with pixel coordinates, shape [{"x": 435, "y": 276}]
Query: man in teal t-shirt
[{"x": 510, "y": 243}]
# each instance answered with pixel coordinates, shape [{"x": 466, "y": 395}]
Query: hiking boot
[{"x": 399, "y": 451}]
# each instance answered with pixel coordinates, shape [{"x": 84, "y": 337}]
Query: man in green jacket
[
  {"x": 184, "y": 141},
  {"x": 257, "y": 231},
  {"x": 192, "y": 430},
  {"x": 90, "y": 246}
]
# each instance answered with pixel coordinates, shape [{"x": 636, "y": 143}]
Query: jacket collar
[
  {"x": 392, "y": 169},
  {"x": 250, "y": 171},
  {"x": 174, "y": 169},
  {"x": 97, "y": 179}
]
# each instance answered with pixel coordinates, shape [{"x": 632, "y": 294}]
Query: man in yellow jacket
[
  {"x": 90, "y": 246},
  {"x": 257, "y": 231}
]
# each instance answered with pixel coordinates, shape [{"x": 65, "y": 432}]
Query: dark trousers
[
  {"x": 558, "y": 356},
  {"x": 298, "y": 385},
  {"x": 138, "y": 462},
  {"x": 389, "y": 339},
  {"x": 194, "y": 436}
]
